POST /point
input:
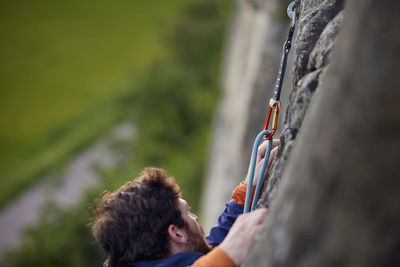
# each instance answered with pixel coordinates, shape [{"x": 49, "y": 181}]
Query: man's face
[{"x": 196, "y": 240}]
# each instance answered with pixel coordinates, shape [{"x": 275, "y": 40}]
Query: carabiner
[
  {"x": 273, "y": 110},
  {"x": 291, "y": 10},
  {"x": 252, "y": 172},
  {"x": 274, "y": 105}
]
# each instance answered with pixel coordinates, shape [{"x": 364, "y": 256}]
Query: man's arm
[
  {"x": 235, "y": 207},
  {"x": 225, "y": 221},
  {"x": 236, "y": 245}
]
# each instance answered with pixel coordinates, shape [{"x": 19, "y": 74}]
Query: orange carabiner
[{"x": 274, "y": 125}]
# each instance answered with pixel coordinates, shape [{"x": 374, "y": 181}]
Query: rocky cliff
[
  {"x": 254, "y": 48},
  {"x": 333, "y": 189}
]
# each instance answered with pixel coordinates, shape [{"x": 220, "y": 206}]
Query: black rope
[{"x": 285, "y": 53}]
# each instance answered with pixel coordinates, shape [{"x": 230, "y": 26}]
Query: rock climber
[{"x": 146, "y": 223}]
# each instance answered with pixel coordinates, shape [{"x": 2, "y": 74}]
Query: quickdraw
[{"x": 273, "y": 110}]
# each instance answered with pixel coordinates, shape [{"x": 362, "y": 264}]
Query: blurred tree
[{"x": 61, "y": 238}]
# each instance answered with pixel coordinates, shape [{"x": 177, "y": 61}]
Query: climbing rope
[{"x": 273, "y": 108}]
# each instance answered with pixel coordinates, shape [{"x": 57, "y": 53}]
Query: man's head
[
  {"x": 191, "y": 236},
  {"x": 146, "y": 220}
]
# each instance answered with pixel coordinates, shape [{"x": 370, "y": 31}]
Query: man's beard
[{"x": 196, "y": 240}]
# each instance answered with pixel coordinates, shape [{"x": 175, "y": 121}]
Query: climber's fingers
[
  {"x": 260, "y": 163},
  {"x": 262, "y": 149},
  {"x": 275, "y": 142},
  {"x": 271, "y": 157}
]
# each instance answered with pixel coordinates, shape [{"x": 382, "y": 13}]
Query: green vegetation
[
  {"x": 171, "y": 103},
  {"x": 61, "y": 238},
  {"x": 62, "y": 66}
]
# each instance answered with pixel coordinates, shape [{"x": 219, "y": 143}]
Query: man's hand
[
  {"x": 262, "y": 150},
  {"x": 239, "y": 239}
]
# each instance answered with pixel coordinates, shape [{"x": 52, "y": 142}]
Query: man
[{"x": 146, "y": 223}]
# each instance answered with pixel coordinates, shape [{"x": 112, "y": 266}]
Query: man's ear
[{"x": 177, "y": 234}]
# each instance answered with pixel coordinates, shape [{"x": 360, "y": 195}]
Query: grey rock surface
[
  {"x": 321, "y": 52},
  {"x": 319, "y": 26},
  {"x": 332, "y": 202},
  {"x": 251, "y": 63},
  {"x": 337, "y": 203},
  {"x": 314, "y": 16}
]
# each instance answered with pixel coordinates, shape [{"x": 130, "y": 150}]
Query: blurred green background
[
  {"x": 60, "y": 61},
  {"x": 71, "y": 70}
]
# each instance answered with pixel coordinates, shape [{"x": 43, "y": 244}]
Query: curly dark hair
[{"x": 131, "y": 224}]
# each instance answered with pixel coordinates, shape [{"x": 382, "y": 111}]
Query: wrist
[
  {"x": 231, "y": 251},
  {"x": 239, "y": 194}
]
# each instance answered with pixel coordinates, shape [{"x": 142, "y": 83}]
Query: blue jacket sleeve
[{"x": 225, "y": 222}]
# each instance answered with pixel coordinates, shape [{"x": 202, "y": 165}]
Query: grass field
[{"x": 63, "y": 65}]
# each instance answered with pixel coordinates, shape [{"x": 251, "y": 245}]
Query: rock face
[
  {"x": 338, "y": 200},
  {"x": 257, "y": 34},
  {"x": 333, "y": 187},
  {"x": 319, "y": 25},
  {"x": 251, "y": 64}
]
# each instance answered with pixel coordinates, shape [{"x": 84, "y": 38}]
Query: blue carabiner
[{"x": 257, "y": 142}]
